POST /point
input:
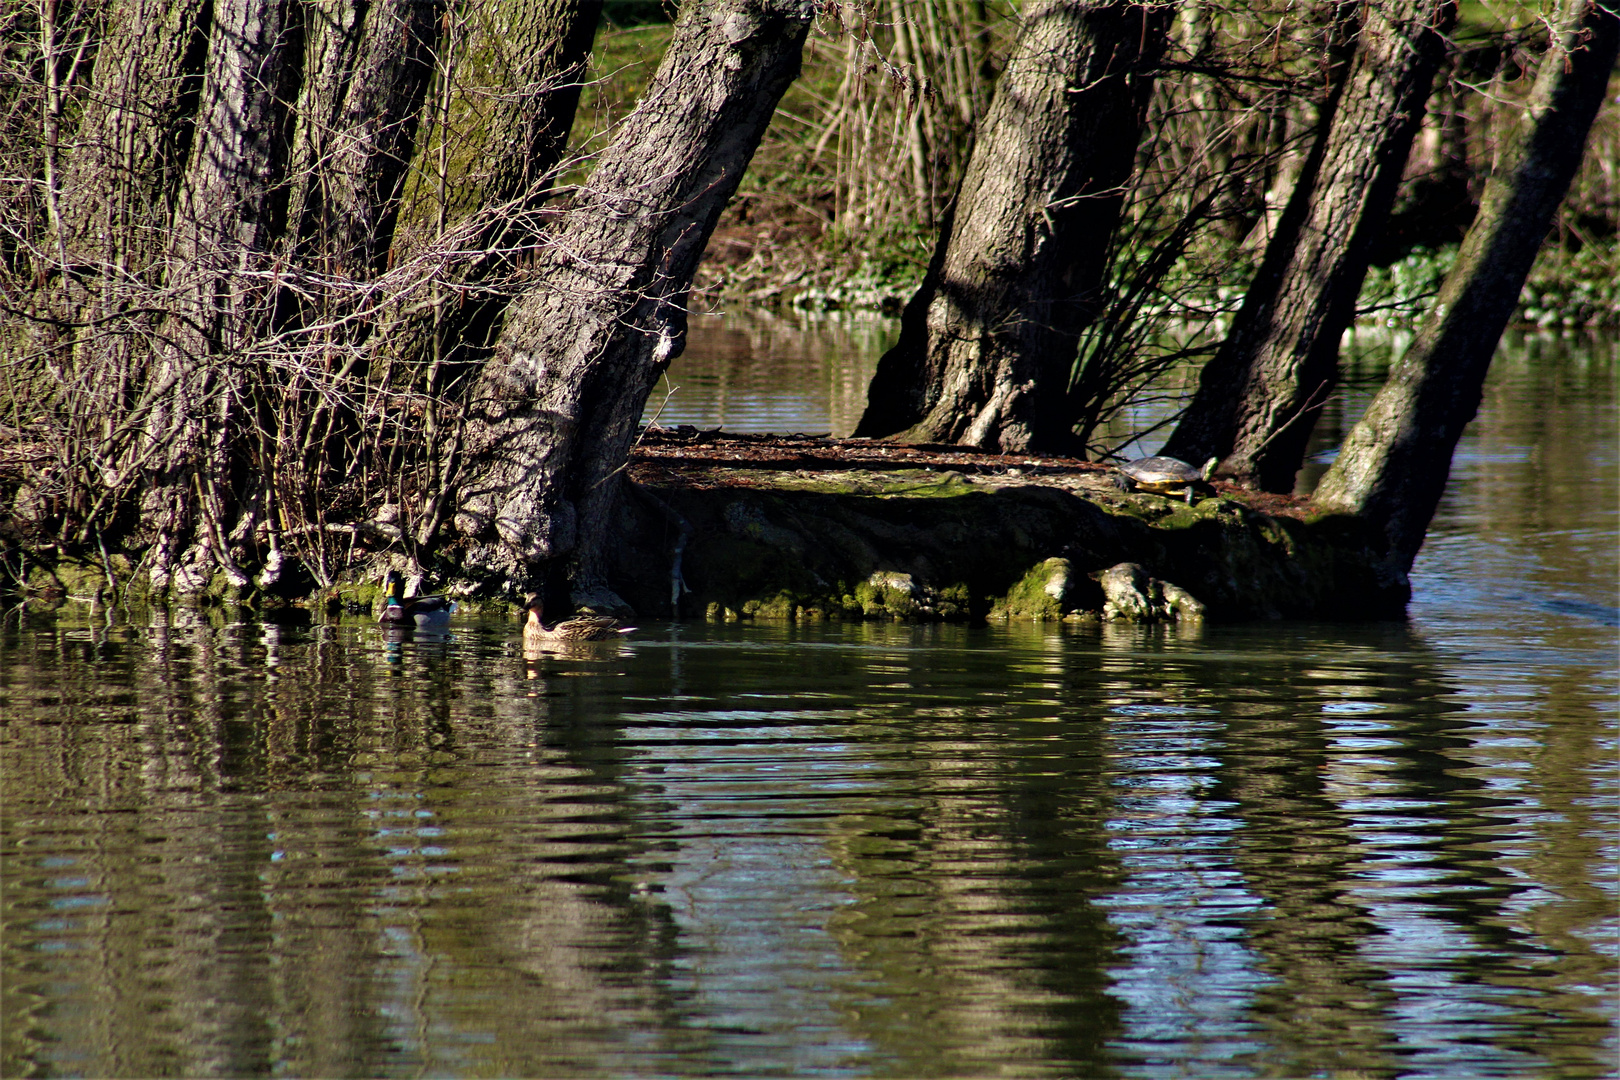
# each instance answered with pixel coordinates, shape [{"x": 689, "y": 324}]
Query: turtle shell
[{"x": 1160, "y": 470}]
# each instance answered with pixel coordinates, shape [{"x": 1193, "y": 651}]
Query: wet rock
[
  {"x": 1133, "y": 595},
  {"x": 1053, "y": 589},
  {"x": 888, "y": 592}
]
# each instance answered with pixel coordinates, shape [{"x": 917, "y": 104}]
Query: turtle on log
[{"x": 1164, "y": 476}]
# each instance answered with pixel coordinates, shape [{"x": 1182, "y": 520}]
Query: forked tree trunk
[
  {"x": 365, "y": 82},
  {"x": 553, "y": 413},
  {"x": 1394, "y": 465},
  {"x": 1259, "y": 396},
  {"x": 537, "y": 52},
  {"x": 988, "y": 342}
]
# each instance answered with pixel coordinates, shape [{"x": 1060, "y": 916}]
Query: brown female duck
[{"x": 579, "y": 628}]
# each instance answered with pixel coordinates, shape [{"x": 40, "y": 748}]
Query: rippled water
[{"x": 844, "y": 849}]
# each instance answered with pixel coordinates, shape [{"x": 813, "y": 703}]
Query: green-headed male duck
[{"x": 422, "y": 612}]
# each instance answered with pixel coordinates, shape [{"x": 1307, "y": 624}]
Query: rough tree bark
[
  {"x": 130, "y": 149},
  {"x": 537, "y": 50},
  {"x": 1259, "y": 396},
  {"x": 231, "y": 206},
  {"x": 553, "y": 413},
  {"x": 368, "y": 72},
  {"x": 1394, "y": 465},
  {"x": 987, "y": 343},
  {"x": 545, "y": 44}
]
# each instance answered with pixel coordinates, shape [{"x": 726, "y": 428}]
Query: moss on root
[
  {"x": 888, "y": 545},
  {"x": 951, "y": 549}
]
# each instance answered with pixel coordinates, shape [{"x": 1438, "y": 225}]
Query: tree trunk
[
  {"x": 554, "y": 411},
  {"x": 367, "y": 70},
  {"x": 232, "y": 183},
  {"x": 119, "y": 183},
  {"x": 1394, "y": 465},
  {"x": 988, "y": 342},
  {"x": 547, "y": 44},
  {"x": 538, "y": 50},
  {"x": 1259, "y": 396},
  {"x": 361, "y": 105},
  {"x": 231, "y": 207},
  {"x": 133, "y": 141}
]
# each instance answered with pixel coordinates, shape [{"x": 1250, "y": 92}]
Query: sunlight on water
[
  {"x": 850, "y": 849},
  {"x": 757, "y": 371}
]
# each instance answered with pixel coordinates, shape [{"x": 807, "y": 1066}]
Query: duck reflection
[{"x": 589, "y": 651}]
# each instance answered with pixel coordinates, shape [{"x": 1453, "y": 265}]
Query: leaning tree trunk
[
  {"x": 231, "y": 208},
  {"x": 1393, "y": 467},
  {"x": 1259, "y": 396},
  {"x": 538, "y": 49},
  {"x": 988, "y": 342},
  {"x": 553, "y": 413}
]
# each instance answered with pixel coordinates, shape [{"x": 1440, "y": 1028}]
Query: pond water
[{"x": 237, "y": 848}]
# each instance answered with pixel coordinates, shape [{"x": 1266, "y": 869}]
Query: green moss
[
  {"x": 889, "y": 594},
  {"x": 780, "y": 606},
  {"x": 220, "y": 590},
  {"x": 80, "y": 580},
  {"x": 42, "y": 582},
  {"x": 1181, "y": 516},
  {"x": 955, "y": 602},
  {"x": 828, "y": 483},
  {"x": 1030, "y": 598},
  {"x": 948, "y": 485},
  {"x": 1050, "y": 590}
]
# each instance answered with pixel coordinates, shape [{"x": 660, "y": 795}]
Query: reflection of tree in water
[
  {"x": 1371, "y": 894},
  {"x": 302, "y": 873},
  {"x": 974, "y": 928},
  {"x": 921, "y": 850}
]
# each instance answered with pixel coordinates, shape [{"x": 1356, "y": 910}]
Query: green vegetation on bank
[{"x": 1566, "y": 290}]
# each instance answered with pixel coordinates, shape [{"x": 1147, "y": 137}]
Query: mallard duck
[
  {"x": 579, "y": 628},
  {"x": 423, "y": 612}
]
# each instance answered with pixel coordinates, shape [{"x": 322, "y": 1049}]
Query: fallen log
[{"x": 809, "y": 528}]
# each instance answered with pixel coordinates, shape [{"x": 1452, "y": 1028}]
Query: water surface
[{"x": 235, "y": 848}]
